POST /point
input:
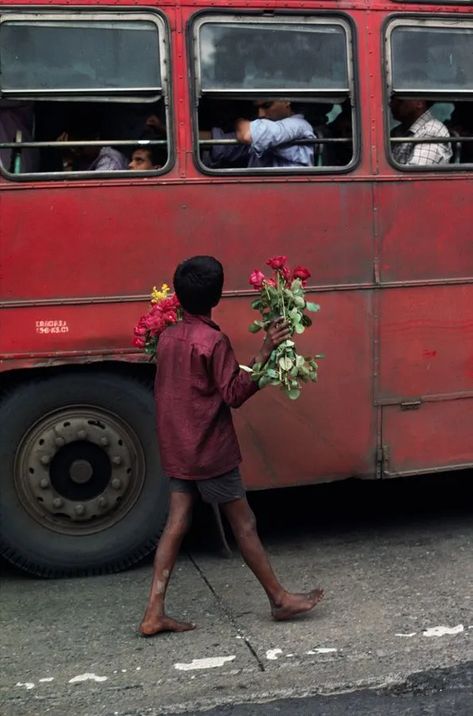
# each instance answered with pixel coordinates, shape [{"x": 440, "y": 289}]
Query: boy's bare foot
[
  {"x": 291, "y": 605},
  {"x": 156, "y": 625}
]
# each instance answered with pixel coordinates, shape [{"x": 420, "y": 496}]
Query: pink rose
[
  {"x": 139, "y": 342},
  {"x": 277, "y": 262},
  {"x": 256, "y": 279}
]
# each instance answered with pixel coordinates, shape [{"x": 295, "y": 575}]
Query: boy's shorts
[{"x": 215, "y": 490}]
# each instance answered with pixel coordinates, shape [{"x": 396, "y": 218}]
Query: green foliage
[{"x": 285, "y": 368}]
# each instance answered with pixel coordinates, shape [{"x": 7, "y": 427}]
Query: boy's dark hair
[{"x": 198, "y": 283}]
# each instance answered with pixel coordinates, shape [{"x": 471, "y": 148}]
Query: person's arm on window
[
  {"x": 263, "y": 134},
  {"x": 226, "y": 154}
]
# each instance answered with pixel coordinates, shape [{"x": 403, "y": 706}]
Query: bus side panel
[
  {"x": 330, "y": 431},
  {"x": 425, "y": 225},
  {"x": 426, "y": 340},
  {"x": 437, "y": 436},
  {"x": 426, "y": 368},
  {"x": 117, "y": 240}
]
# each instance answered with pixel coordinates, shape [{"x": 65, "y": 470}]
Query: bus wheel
[{"x": 81, "y": 488}]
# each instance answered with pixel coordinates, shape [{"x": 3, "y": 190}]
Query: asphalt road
[{"x": 394, "y": 635}]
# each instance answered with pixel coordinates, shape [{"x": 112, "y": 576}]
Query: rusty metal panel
[
  {"x": 436, "y": 436},
  {"x": 112, "y": 240},
  {"x": 426, "y": 342},
  {"x": 425, "y": 227}
]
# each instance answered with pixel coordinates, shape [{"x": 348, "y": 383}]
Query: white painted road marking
[
  {"x": 209, "y": 663},
  {"x": 272, "y": 654},
  {"x": 87, "y": 677},
  {"x": 442, "y": 630}
]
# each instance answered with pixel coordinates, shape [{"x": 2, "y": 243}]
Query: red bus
[{"x": 385, "y": 232}]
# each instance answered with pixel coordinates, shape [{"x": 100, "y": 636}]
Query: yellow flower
[{"x": 157, "y": 296}]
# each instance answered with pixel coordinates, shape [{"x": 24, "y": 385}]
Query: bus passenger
[
  {"x": 271, "y": 138},
  {"x": 460, "y": 124},
  {"x": 91, "y": 158},
  {"x": 416, "y": 120},
  {"x": 17, "y": 120},
  {"x": 145, "y": 159}
]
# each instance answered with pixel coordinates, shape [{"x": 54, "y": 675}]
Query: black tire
[{"x": 42, "y": 458}]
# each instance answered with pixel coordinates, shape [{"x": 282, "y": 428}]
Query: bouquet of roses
[
  {"x": 282, "y": 296},
  {"x": 164, "y": 311}
]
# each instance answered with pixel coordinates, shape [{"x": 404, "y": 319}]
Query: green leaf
[
  {"x": 300, "y": 301},
  {"x": 285, "y": 363},
  {"x": 312, "y": 306},
  {"x": 299, "y": 328},
  {"x": 306, "y": 321},
  {"x": 256, "y": 303},
  {"x": 246, "y": 368},
  {"x": 294, "y": 393},
  {"x": 255, "y": 326},
  {"x": 264, "y": 381}
]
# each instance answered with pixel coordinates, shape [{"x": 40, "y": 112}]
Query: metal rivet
[
  {"x": 59, "y": 441},
  {"x": 44, "y": 483},
  {"x": 57, "y": 502},
  {"x": 79, "y": 509},
  {"x": 102, "y": 502},
  {"x": 104, "y": 440},
  {"x": 116, "y": 483},
  {"x": 45, "y": 459},
  {"x": 82, "y": 434},
  {"x": 116, "y": 460}
]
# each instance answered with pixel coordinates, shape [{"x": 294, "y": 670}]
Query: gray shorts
[{"x": 215, "y": 490}]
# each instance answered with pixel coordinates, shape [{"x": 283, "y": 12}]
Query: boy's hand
[{"x": 277, "y": 332}]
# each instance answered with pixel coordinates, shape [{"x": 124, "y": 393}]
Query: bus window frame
[
  {"x": 263, "y": 17},
  {"x": 164, "y": 40},
  {"x": 418, "y": 20}
]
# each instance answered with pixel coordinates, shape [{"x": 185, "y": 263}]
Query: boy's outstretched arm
[{"x": 235, "y": 385}]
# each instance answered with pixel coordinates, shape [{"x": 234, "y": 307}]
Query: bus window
[
  {"x": 83, "y": 95},
  {"x": 273, "y": 94},
  {"x": 430, "y": 90}
]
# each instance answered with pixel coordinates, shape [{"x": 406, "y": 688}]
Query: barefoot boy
[{"x": 197, "y": 382}]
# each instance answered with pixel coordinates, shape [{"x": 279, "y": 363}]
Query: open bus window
[
  {"x": 273, "y": 94},
  {"x": 430, "y": 85},
  {"x": 83, "y": 94}
]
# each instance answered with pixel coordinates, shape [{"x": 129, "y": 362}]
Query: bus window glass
[
  {"x": 430, "y": 90},
  {"x": 272, "y": 57},
  {"x": 432, "y": 58},
  {"x": 83, "y": 96},
  {"x": 79, "y": 56},
  {"x": 274, "y": 94}
]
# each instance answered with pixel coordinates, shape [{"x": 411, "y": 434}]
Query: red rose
[
  {"x": 168, "y": 304},
  {"x": 277, "y": 262},
  {"x": 285, "y": 273},
  {"x": 270, "y": 282},
  {"x": 256, "y": 279},
  {"x": 301, "y": 272}
]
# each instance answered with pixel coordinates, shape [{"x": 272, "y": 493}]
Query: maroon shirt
[{"x": 197, "y": 381}]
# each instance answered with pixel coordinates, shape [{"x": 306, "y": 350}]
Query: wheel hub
[{"x": 79, "y": 470}]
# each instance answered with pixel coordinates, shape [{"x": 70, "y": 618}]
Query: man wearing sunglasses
[{"x": 274, "y": 137}]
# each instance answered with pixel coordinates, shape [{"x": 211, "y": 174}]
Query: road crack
[{"x": 228, "y": 613}]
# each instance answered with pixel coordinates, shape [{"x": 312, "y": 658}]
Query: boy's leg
[
  {"x": 178, "y": 522},
  {"x": 284, "y": 605}
]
